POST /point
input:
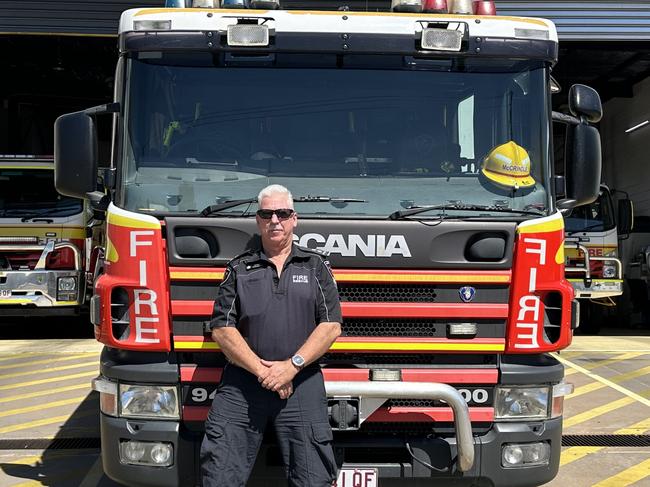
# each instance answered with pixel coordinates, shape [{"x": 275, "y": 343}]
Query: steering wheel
[{"x": 204, "y": 148}]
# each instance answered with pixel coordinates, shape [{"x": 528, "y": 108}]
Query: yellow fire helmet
[{"x": 508, "y": 165}]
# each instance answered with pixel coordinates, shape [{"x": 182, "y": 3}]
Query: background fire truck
[
  {"x": 417, "y": 145},
  {"x": 43, "y": 241}
]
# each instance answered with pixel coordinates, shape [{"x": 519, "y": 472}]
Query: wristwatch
[{"x": 298, "y": 361}]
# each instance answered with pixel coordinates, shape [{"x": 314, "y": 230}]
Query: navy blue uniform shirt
[{"x": 276, "y": 315}]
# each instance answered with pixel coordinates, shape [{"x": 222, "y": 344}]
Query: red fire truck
[{"x": 417, "y": 146}]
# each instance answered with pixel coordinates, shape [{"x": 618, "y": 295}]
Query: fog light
[
  {"x": 67, "y": 284},
  {"x": 161, "y": 453},
  {"x": 133, "y": 451},
  {"x": 151, "y": 453},
  {"x": 515, "y": 455},
  {"x": 248, "y": 35}
]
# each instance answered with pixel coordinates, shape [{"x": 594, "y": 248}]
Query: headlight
[
  {"x": 151, "y": 401},
  {"x": 514, "y": 403},
  {"x": 67, "y": 284},
  {"x": 609, "y": 270}
]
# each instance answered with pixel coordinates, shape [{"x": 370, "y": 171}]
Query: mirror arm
[
  {"x": 98, "y": 201},
  {"x": 566, "y": 204},
  {"x": 103, "y": 109}
]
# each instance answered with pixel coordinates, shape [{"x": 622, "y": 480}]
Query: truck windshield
[
  {"x": 596, "y": 217},
  {"x": 392, "y": 131},
  {"x": 25, "y": 192}
]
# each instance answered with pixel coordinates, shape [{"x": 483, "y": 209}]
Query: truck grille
[
  {"x": 412, "y": 328},
  {"x": 418, "y": 293}
]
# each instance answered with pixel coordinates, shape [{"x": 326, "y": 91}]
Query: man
[{"x": 277, "y": 312}]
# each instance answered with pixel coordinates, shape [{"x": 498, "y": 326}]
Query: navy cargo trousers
[{"x": 240, "y": 413}]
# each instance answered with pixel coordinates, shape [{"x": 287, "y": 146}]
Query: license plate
[
  {"x": 357, "y": 477},
  {"x": 5, "y": 293}
]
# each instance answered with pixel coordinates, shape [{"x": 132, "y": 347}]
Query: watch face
[{"x": 298, "y": 361}]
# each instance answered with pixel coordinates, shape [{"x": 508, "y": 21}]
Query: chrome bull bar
[
  {"x": 586, "y": 270},
  {"x": 383, "y": 390}
]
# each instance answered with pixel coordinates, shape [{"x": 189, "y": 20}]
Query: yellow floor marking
[
  {"x": 628, "y": 476},
  {"x": 47, "y": 421},
  {"x": 47, "y": 371},
  {"x": 618, "y": 358},
  {"x": 46, "y": 392},
  {"x": 592, "y": 413},
  {"x": 594, "y": 386},
  {"x": 38, "y": 407},
  {"x": 636, "y": 429},
  {"x": 47, "y": 361},
  {"x": 26, "y": 460},
  {"x": 576, "y": 453},
  {"x": 14, "y": 356},
  {"x": 607, "y": 382},
  {"x": 47, "y": 381}
]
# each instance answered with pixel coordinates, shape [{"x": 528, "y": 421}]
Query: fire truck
[
  {"x": 417, "y": 145},
  {"x": 42, "y": 241},
  {"x": 593, "y": 266}
]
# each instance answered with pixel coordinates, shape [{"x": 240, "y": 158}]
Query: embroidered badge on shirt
[{"x": 304, "y": 279}]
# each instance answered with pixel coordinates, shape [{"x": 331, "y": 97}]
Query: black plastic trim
[
  {"x": 142, "y": 367},
  {"x": 530, "y": 369}
]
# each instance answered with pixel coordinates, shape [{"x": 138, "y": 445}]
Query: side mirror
[
  {"x": 75, "y": 155},
  {"x": 584, "y": 103},
  {"x": 625, "y": 221},
  {"x": 583, "y": 166}
]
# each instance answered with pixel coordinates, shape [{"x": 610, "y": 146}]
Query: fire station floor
[{"x": 49, "y": 426}]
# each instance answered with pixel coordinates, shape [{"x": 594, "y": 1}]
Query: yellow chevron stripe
[
  {"x": 75, "y": 232},
  {"x": 465, "y": 278},
  {"x": 628, "y": 476},
  {"x": 482, "y": 347}
]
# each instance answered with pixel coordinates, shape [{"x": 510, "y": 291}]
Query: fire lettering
[
  {"x": 143, "y": 297},
  {"x": 527, "y": 323}
]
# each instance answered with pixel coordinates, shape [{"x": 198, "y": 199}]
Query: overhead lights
[{"x": 637, "y": 126}]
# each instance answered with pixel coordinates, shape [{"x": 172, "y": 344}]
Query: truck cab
[{"x": 42, "y": 241}]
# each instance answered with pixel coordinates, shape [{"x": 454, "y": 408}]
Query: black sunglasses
[{"x": 282, "y": 213}]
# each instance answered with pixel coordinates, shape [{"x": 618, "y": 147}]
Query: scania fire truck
[
  {"x": 593, "y": 266},
  {"x": 417, "y": 146},
  {"x": 42, "y": 241}
]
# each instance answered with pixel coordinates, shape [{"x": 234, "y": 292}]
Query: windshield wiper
[
  {"x": 414, "y": 210},
  {"x": 213, "y": 209}
]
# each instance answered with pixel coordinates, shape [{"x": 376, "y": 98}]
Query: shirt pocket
[{"x": 254, "y": 294}]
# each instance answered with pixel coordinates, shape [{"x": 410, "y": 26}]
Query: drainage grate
[
  {"x": 48, "y": 444},
  {"x": 606, "y": 440}
]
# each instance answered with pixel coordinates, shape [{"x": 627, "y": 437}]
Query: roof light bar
[
  {"x": 461, "y": 7},
  {"x": 205, "y": 3},
  {"x": 265, "y": 4},
  {"x": 406, "y": 6},
  {"x": 234, "y": 3},
  {"x": 435, "y": 7},
  {"x": 485, "y": 7}
]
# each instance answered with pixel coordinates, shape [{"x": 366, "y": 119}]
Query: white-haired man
[{"x": 277, "y": 312}]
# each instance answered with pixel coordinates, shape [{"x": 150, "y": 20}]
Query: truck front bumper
[
  {"x": 44, "y": 290},
  {"x": 487, "y": 469},
  {"x": 597, "y": 288}
]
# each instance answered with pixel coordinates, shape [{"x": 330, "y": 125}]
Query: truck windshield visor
[
  {"x": 393, "y": 132},
  {"x": 26, "y": 192}
]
